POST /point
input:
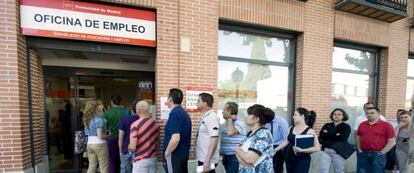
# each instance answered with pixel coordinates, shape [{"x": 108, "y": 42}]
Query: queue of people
[{"x": 262, "y": 142}]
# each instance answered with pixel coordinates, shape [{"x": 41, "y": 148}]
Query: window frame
[
  {"x": 366, "y": 48},
  {"x": 233, "y": 26}
]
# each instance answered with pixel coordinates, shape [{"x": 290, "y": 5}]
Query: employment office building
[{"x": 319, "y": 54}]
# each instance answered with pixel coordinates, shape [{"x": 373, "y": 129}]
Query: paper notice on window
[{"x": 165, "y": 111}]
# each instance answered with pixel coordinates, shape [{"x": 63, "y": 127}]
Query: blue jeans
[
  {"x": 126, "y": 163},
  {"x": 230, "y": 163},
  {"x": 368, "y": 162}
]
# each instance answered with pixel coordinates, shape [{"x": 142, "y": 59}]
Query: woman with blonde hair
[{"x": 95, "y": 127}]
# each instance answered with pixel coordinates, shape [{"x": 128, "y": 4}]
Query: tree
[
  {"x": 362, "y": 63},
  {"x": 256, "y": 72}
]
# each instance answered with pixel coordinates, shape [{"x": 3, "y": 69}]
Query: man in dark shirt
[
  {"x": 177, "y": 137},
  {"x": 374, "y": 138},
  {"x": 123, "y": 141}
]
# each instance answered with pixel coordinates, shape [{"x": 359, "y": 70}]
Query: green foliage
[{"x": 364, "y": 62}]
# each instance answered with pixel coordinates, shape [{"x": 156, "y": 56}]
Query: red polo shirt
[{"x": 374, "y": 137}]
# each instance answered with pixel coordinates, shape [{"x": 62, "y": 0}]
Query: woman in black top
[
  {"x": 298, "y": 159},
  {"x": 336, "y": 131}
]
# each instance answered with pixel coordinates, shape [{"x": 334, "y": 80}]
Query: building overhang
[{"x": 384, "y": 10}]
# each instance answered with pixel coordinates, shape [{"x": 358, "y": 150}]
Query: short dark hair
[
  {"x": 372, "y": 103},
  {"x": 400, "y": 110},
  {"x": 134, "y": 105},
  {"x": 232, "y": 107},
  {"x": 208, "y": 98},
  {"x": 176, "y": 95},
  {"x": 345, "y": 118},
  {"x": 405, "y": 112},
  {"x": 265, "y": 115},
  {"x": 116, "y": 99},
  {"x": 375, "y": 108}
]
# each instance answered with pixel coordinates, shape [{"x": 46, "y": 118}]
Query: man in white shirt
[
  {"x": 363, "y": 117},
  {"x": 207, "y": 139}
]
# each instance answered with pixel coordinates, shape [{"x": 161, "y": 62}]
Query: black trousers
[
  {"x": 178, "y": 163},
  {"x": 278, "y": 160},
  {"x": 212, "y": 171}
]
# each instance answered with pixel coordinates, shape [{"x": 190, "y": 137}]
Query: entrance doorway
[{"x": 75, "y": 73}]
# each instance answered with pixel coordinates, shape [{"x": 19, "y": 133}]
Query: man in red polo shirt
[{"x": 375, "y": 137}]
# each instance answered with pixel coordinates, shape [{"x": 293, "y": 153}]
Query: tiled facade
[{"x": 316, "y": 23}]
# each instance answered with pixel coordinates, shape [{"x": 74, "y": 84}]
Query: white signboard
[
  {"x": 165, "y": 111},
  {"x": 192, "y": 96},
  {"x": 87, "y": 21}
]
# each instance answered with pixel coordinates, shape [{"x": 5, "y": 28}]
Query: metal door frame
[{"x": 33, "y": 43}]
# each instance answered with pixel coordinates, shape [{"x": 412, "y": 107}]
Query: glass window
[
  {"x": 409, "y": 101},
  {"x": 353, "y": 80},
  {"x": 350, "y": 59},
  {"x": 243, "y": 45},
  {"x": 249, "y": 81}
]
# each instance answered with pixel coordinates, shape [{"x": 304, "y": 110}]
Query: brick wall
[
  {"x": 393, "y": 67},
  {"x": 38, "y": 99},
  {"x": 196, "y": 20},
  {"x": 316, "y": 22},
  {"x": 286, "y": 14},
  {"x": 314, "y": 59},
  {"x": 14, "y": 154},
  {"x": 14, "y": 119},
  {"x": 361, "y": 29}
]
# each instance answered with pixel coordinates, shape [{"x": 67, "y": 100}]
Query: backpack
[{"x": 81, "y": 142}]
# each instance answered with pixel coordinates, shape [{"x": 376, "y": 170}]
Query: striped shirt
[
  {"x": 279, "y": 131},
  {"x": 147, "y": 133},
  {"x": 228, "y": 143}
]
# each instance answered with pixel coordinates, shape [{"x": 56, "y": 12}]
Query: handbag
[
  {"x": 81, "y": 142},
  {"x": 344, "y": 149}
]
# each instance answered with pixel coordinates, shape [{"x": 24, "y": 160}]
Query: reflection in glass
[
  {"x": 409, "y": 101},
  {"x": 350, "y": 88},
  {"x": 262, "y": 84},
  {"x": 350, "y": 92},
  {"x": 409, "y": 98},
  {"x": 350, "y": 59},
  {"x": 241, "y": 45},
  {"x": 410, "y": 68}
]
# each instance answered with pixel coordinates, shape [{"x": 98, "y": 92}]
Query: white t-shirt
[
  {"x": 95, "y": 140},
  {"x": 363, "y": 118},
  {"x": 209, "y": 127}
]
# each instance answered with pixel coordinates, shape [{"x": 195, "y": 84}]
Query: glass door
[{"x": 63, "y": 120}]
